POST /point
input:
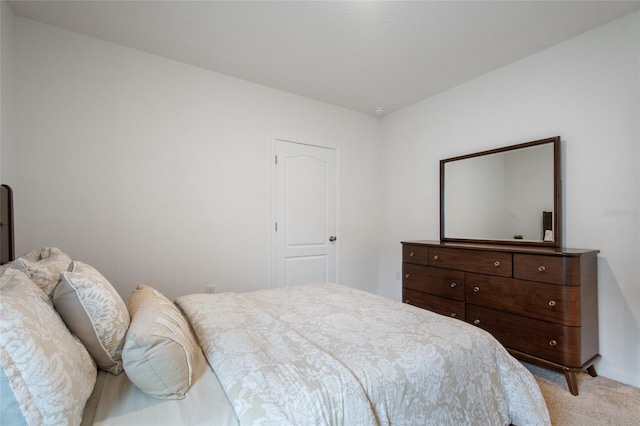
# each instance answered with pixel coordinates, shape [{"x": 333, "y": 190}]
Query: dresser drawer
[
  {"x": 548, "y": 269},
  {"x": 547, "y": 302},
  {"x": 440, "y": 305},
  {"x": 556, "y": 343},
  {"x": 437, "y": 281},
  {"x": 483, "y": 262},
  {"x": 415, "y": 254}
]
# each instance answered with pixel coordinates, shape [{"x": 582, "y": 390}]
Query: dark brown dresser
[{"x": 540, "y": 303}]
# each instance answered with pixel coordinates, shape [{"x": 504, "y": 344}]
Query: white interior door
[{"x": 305, "y": 231}]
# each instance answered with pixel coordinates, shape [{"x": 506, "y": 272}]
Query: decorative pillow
[
  {"x": 44, "y": 267},
  {"x": 32, "y": 256},
  {"x": 35, "y": 255},
  {"x": 49, "y": 372},
  {"x": 5, "y": 267},
  {"x": 159, "y": 350},
  {"x": 94, "y": 311}
]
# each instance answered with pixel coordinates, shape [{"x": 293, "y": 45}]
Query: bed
[
  {"x": 330, "y": 354},
  {"x": 314, "y": 354},
  {"x": 73, "y": 352}
]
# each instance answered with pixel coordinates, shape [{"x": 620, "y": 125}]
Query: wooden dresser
[{"x": 540, "y": 303}]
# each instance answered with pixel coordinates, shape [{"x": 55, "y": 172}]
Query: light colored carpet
[{"x": 600, "y": 402}]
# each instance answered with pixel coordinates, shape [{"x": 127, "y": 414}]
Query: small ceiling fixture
[{"x": 378, "y": 110}]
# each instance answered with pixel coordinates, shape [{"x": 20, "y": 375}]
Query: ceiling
[{"x": 355, "y": 54}]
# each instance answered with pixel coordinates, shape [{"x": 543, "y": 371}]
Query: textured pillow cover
[
  {"x": 48, "y": 370},
  {"x": 94, "y": 311},
  {"x": 159, "y": 350},
  {"x": 32, "y": 256},
  {"x": 43, "y": 267}
]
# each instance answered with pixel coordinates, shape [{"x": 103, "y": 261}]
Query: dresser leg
[
  {"x": 570, "y": 373},
  {"x": 572, "y": 382}
]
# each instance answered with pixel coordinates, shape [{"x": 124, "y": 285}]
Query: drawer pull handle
[
  {"x": 553, "y": 343},
  {"x": 453, "y": 314},
  {"x": 436, "y": 257},
  {"x": 476, "y": 322},
  {"x": 476, "y": 289},
  {"x": 542, "y": 269},
  {"x": 453, "y": 285},
  {"x": 407, "y": 275},
  {"x": 496, "y": 263},
  {"x": 552, "y": 303},
  {"x": 412, "y": 254}
]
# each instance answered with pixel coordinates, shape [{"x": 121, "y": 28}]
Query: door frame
[{"x": 272, "y": 201}]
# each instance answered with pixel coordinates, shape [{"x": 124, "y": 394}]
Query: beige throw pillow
[
  {"x": 159, "y": 349},
  {"x": 94, "y": 311},
  {"x": 48, "y": 370},
  {"x": 32, "y": 256},
  {"x": 44, "y": 267}
]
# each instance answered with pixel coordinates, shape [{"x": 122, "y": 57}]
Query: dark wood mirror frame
[{"x": 557, "y": 196}]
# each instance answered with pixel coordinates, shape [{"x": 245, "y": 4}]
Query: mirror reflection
[{"x": 505, "y": 195}]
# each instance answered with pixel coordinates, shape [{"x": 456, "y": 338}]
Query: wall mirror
[{"x": 510, "y": 195}]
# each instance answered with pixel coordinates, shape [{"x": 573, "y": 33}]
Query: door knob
[{"x": 332, "y": 238}]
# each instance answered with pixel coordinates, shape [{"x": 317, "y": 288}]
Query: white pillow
[
  {"x": 43, "y": 267},
  {"x": 48, "y": 370},
  {"x": 159, "y": 350},
  {"x": 94, "y": 311}
]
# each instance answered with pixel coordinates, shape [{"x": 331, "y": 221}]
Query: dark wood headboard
[{"x": 7, "y": 242}]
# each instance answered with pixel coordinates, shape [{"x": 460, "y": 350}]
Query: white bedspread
[{"x": 329, "y": 354}]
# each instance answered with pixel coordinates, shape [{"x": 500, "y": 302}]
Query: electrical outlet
[
  {"x": 210, "y": 289},
  {"x": 398, "y": 275}
]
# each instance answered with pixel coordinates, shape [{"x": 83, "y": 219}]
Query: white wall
[
  {"x": 586, "y": 90},
  {"x": 7, "y": 119},
  {"x": 157, "y": 172}
]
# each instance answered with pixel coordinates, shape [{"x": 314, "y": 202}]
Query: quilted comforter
[{"x": 329, "y": 354}]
